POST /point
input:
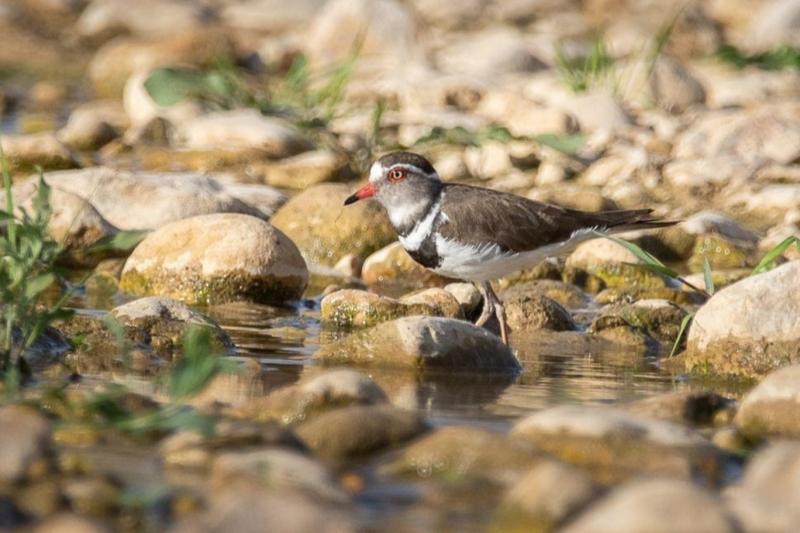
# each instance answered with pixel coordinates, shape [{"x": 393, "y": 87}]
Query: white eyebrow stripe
[{"x": 412, "y": 168}]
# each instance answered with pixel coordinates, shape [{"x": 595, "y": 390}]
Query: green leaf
[
  {"x": 122, "y": 241},
  {"x": 197, "y": 367},
  {"x": 168, "y": 86},
  {"x": 684, "y": 324},
  {"x": 566, "y": 144},
  {"x": 707, "y": 277},
  {"x": 767, "y": 262},
  {"x": 36, "y": 285}
]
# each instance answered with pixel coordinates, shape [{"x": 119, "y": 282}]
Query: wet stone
[
  {"x": 614, "y": 445},
  {"x": 26, "y": 152},
  {"x": 422, "y": 343},
  {"x": 393, "y": 266},
  {"x": 661, "y": 319},
  {"x": 351, "y": 308},
  {"x": 566, "y": 294},
  {"x": 24, "y": 444},
  {"x": 684, "y": 407},
  {"x": 532, "y": 312},
  {"x": 356, "y": 431}
]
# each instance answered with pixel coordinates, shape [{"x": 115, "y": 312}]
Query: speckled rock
[
  {"x": 613, "y": 444},
  {"x": 422, "y": 343},
  {"x": 315, "y": 395},
  {"x": 465, "y": 454},
  {"x": 531, "y": 312},
  {"x": 24, "y": 152},
  {"x": 24, "y": 444},
  {"x": 566, "y": 294},
  {"x": 772, "y": 408},
  {"x": 721, "y": 253},
  {"x": 325, "y": 230},
  {"x": 766, "y": 497},
  {"x": 392, "y": 265},
  {"x": 356, "y": 431},
  {"x": 547, "y": 495},
  {"x": 350, "y": 308},
  {"x": 655, "y": 505},
  {"x": 749, "y": 328},
  {"x": 244, "y": 129},
  {"x": 216, "y": 259},
  {"x": 147, "y": 200}
]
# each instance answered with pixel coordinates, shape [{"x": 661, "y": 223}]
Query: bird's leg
[
  {"x": 488, "y": 303},
  {"x": 499, "y": 312}
]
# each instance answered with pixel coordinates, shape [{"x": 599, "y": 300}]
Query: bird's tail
[{"x": 627, "y": 220}]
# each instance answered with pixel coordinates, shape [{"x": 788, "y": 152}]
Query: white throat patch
[{"x": 422, "y": 229}]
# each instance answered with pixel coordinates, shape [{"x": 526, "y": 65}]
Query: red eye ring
[{"x": 396, "y": 174}]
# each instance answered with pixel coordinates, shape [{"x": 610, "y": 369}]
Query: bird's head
[{"x": 405, "y": 184}]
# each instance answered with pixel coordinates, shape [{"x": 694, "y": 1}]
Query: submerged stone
[
  {"x": 350, "y": 308},
  {"x": 772, "y": 408}
]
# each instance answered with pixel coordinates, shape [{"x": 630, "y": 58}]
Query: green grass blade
[
  {"x": 566, "y": 144},
  {"x": 707, "y": 277},
  {"x": 684, "y": 324},
  {"x": 770, "y": 257},
  {"x": 12, "y": 226},
  {"x": 121, "y": 241},
  {"x": 36, "y": 285}
]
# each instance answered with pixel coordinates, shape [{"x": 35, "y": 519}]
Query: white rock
[
  {"x": 142, "y": 109},
  {"x": 775, "y": 24},
  {"x": 489, "y": 53},
  {"x": 269, "y": 16},
  {"x": 143, "y": 17}
]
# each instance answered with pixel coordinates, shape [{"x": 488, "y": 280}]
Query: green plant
[
  {"x": 582, "y": 72},
  {"x": 775, "y": 59},
  {"x": 769, "y": 260},
  {"x": 27, "y": 269}
]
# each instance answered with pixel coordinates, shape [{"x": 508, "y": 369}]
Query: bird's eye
[{"x": 396, "y": 174}]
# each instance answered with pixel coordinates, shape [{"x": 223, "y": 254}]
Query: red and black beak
[{"x": 364, "y": 192}]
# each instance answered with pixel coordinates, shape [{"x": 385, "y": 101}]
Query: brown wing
[{"x": 477, "y": 216}]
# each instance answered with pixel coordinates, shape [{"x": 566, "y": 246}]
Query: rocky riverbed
[{"x": 248, "y": 355}]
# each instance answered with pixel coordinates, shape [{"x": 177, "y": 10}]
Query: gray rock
[
  {"x": 613, "y": 444},
  {"x": 325, "y": 230},
  {"x": 24, "y": 443},
  {"x": 773, "y": 406},
  {"x": 766, "y": 498},
  {"x": 146, "y": 200},
  {"x": 547, "y": 495},
  {"x": 668, "y": 505},
  {"x": 749, "y": 328},
  {"x": 243, "y": 129},
  {"x": 196, "y": 260},
  {"x": 422, "y": 343},
  {"x": 356, "y": 431},
  {"x": 262, "y": 197}
]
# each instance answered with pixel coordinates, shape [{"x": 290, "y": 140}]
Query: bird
[{"x": 477, "y": 234}]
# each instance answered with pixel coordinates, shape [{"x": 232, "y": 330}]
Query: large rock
[
  {"x": 325, "y": 230},
  {"x": 532, "y": 312},
  {"x": 25, "y": 152},
  {"x": 269, "y": 16},
  {"x": 216, "y": 259},
  {"x": 667, "y": 505},
  {"x": 306, "y": 169},
  {"x": 147, "y": 200},
  {"x": 773, "y": 406},
  {"x": 749, "y": 328},
  {"x": 660, "y": 319},
  {"x": 423, "y": 343},
  {"x": 767, "y": 498},
  {"x": 352, "y": 308},
  {"x": 356, "y": 431},
  {"x": 614, "y": 444},
  {"x": 145, "y": 17},
  {"x": 24, "y": 443},
  {"x": 242, "y": 129}
]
